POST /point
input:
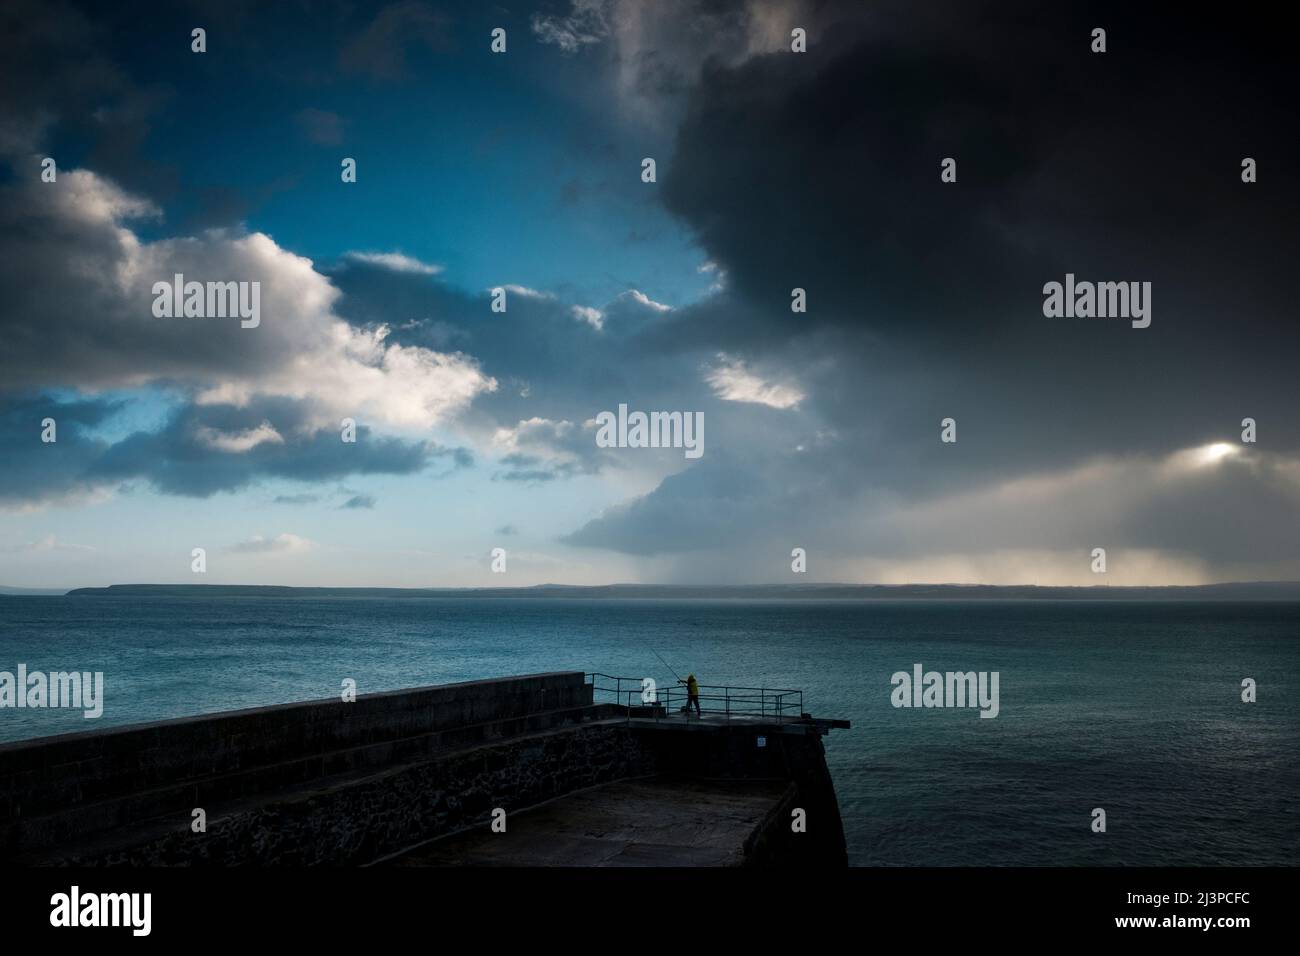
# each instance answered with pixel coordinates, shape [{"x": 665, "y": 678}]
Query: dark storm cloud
[
  {"x": 701, "y": 508},
  {"x": 821, "y": 171},
  {"x": 816, "y": 170},
  {"x": 55, "y": 71},
  {"x": 202, "y": 450},
  {"x": 33, "y": 471},
  {"x": 106, "y": 82},
  {"x": 1066, "y": 159},
  {"x": 1236, "y": 518}
]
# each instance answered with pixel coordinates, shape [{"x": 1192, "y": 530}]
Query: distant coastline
[{"x": 1245, "y": 591}]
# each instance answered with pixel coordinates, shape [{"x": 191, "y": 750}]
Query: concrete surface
[{"x": 654, "y": 822}]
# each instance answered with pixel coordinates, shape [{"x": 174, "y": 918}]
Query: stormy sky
[{"x": 522, "y": 171}]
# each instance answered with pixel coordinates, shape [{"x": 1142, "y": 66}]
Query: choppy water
[{"x": 1132, "y": 707}]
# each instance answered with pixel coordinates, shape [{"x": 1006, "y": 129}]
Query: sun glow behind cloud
[
  {"x": 733, "y": 381},
  {"x": 1205, "y": 456}
]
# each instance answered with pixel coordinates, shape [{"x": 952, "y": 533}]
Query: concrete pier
[
  {"x": 644, "y": 822},
  {"x": 413, "y": 777}
]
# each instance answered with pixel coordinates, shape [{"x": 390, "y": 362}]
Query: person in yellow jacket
[{"x": 692, "y": 694}]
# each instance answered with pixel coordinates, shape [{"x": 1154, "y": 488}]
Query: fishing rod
[
  {"x": 662, "y": 661},
  {"x": 514, "y": 628}
]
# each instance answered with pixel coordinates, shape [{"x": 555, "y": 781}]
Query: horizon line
[{"x": 785, "y": 586}]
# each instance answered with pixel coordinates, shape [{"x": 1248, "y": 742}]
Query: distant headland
[{"x": 1244, "y": 591}]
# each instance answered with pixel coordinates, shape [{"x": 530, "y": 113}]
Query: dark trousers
[{"x": 693, "y": 700}]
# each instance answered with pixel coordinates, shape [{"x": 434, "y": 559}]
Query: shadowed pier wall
[{"x": 330, "y": 782}]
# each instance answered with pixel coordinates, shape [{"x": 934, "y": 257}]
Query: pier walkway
[{"x": 654, "y": 822}]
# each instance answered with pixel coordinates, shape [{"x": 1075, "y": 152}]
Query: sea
[{"x": 1131, "y": 707}]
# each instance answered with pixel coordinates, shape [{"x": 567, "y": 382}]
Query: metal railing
[{"x": 670, "y": 699}]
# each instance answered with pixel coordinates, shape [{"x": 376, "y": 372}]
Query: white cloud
[
  {"x": 554, "y": 448},
  {"x": 92, "y": 200},
  {"x": 534, "y": 435},
  {"x": 586, "y": 23},
  {"x": 85, "y": 279},
  {"x": 280, "y": 544},
  {"x": 733, "y": 381},
  {"x": 593, "y": 317},
  {"x": 523, "y": 290},
  {"x": 640, "y": 297},
  {"x": 395, "y": 262},
  {"x": 719, "y": 274},
  {"x": 241, "y": 441}
]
